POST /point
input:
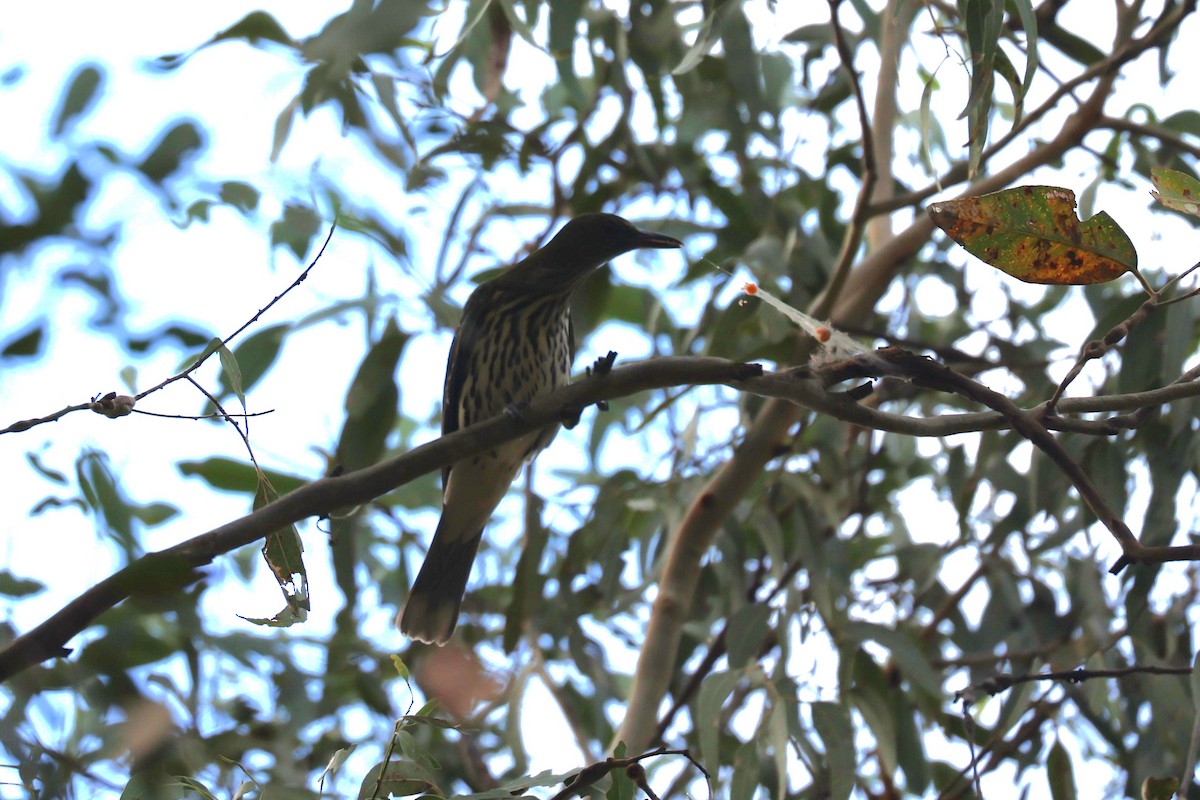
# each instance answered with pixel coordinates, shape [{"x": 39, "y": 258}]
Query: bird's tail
[{"x": 431, "y": 612}]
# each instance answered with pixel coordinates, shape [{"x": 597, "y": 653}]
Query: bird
[{"x": 514, "y": 344}]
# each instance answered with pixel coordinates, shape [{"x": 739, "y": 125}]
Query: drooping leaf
[
  {"x": 254, "y": 355},
  {"x": 833, "y": 724},
  {"x": 746, "y": 632},
  {"x": 1059, "y": 773},
  {"x": 284, "y": 553},
  {"x": 372, "y": 401},
  {"x": 714, "y": 691},
  {"x": 231, "y": 373}
]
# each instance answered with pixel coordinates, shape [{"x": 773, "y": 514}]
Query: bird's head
[{"x": 585, "y": 243}]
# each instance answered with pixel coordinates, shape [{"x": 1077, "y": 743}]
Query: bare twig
[
  {"x": 928, "y": 373},
  {"x": 225, "y": 342},
  {"x": 582, "y": 783},
  {"x": 1166, "y": 136},
  {"x": 94, "y": 405},
  {"x": 1004, "y": 681},
  {"x": 25, "y": 424},
  {"x": 217, "y": 415},
  {"x": 230, "y": 419},
  {"x": 857, "y": 226}
]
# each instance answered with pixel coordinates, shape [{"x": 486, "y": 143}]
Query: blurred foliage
[{"x": 834, "y": 620}]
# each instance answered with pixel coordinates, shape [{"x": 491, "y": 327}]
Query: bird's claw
[
  {"x": 603, "y": 365},
  {"x": 516, "y": 411}
]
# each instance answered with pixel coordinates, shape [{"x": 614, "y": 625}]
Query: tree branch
[
  {"x": 699, "y": 527},
  {"x": 869, "y": 280},
  {"x": 175, "y": 567},
  {"x": 791, "y": 390}
]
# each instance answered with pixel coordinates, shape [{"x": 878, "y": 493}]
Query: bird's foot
[
  {"x": 603, "y": 365},
  {"x": 516, "y": 411}
]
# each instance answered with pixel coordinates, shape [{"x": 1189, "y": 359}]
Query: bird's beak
[{"x": 657, "y": 241}]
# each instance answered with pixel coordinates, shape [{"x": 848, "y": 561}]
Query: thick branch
[
  {"x": 790, "y": 391},
  {"x": 698, "y": 529},
  {"x": 177, "y": 566}
]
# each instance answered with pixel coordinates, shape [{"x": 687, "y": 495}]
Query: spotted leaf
[{"x": 1033, "y": 234}]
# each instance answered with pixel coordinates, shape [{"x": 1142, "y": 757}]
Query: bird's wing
[{"x": 465, "y": 339}]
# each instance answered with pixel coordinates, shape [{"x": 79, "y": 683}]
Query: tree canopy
[{"x": 889, "y": 490}]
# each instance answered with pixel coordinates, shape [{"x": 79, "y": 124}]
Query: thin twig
[
  {"x": 26, "y": 424},
  {"x": 857, "y": 225},
  {"x": 218, "y": 415},
  {"x": 225, "y": 342},
  {"x": 228, "y": 418},
  {"x": 1004, "y": 681}
]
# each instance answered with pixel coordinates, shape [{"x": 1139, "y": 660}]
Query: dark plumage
[{"x": 513, "y": 345}]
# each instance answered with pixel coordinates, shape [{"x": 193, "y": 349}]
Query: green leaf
[
  {"x": 27, "y": 344},
  {"x": 1194, "y": 683},
  {"x": 523, "y": 28},
  {"x": 1059, "y": 772},
  {"x": 746, "y": 632},
  {"x": 983, "y": 20},
  {"x": 232, "y": 373},
  {"x": 254, "y": 356},
  {"x": 714, "y": 691},
  {"x": 1030, "y": 26},
  {"x": 152, "y": 783},
  {"x": 295, "y": 229},
  {"x": 49, "y": 474},
  {"x": 240, "y": 195},
  {"x": 238, "y": 476},
  {"x": 527, "y": 586},
  {"x": 284, "y": 553},
  {"x": 255, "y": 27},
  {"x": 777, "y": 735},
  {"x": 1033, "y": 234},
  {"x": 155, "y": 513},
  {"x": 1176, "y": 190},
  {"x": 169, "y": 152},
  {"x": 372, "y": 402},
  {"x": 929, "y": 129},
  {"x": 104, "y": 497},
  {"x": 706, "y": 40},
  {"x": 396, "y": 779},
  {"x": 742, "y": 62},
  {"x": 12, "y": 586},
  {"x": 916, "y": 667},
  {"x": 79, "y": 98},
  {"x": 214, "y": 344},
  {"x": 283, "y": 128},
  {"x": 836, "y": 730},
  {"x": 745, "y": 771}
]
